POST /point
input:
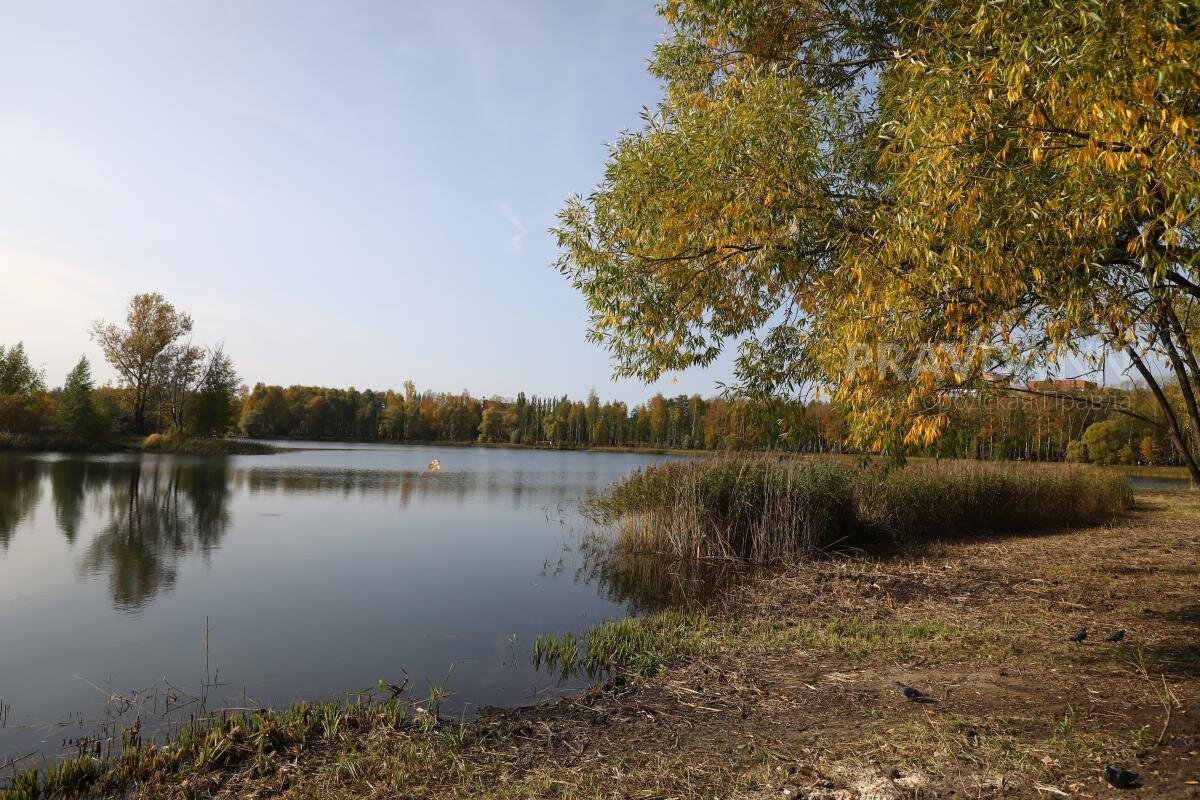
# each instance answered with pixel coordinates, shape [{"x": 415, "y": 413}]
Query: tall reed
[
  {"x": 765, "y": 509},
  {"x": 757, "y": 509},
  {"x": 958, "y": 498}
]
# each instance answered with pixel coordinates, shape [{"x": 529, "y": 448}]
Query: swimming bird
[
  {"x": 909, "y": 692},
  {"x": 1119, "y": 776},
  {"x": 1079, "y": 635},
  {"x": 1116, "y": 636}
]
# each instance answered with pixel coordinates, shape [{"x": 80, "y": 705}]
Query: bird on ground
[
  {"x": 1119, "y": 776},
  {"x": 909, "y": 692},
  {"x": 1116, "y": 636},
  {"x": 1079, "y": 635}
]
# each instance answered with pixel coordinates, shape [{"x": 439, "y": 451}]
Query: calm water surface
[
  {"x": 1160, "y": 484},
  {"x": 315, "y": 571}
]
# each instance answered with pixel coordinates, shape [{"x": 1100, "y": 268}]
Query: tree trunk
[{"x": 1177, "y": 437}]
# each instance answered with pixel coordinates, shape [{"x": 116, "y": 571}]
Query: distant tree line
[
  {"x": 1083, "y": 425},
  {"x": 167, "y": 384},
  {"x": 413, "y": 416}
]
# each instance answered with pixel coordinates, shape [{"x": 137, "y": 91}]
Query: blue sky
[{"x": 347, "y": 193}]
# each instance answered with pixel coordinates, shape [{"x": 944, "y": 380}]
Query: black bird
[
  {"x": 909, "y": 692},
  {"x": 1079, "y": 635},
  {"x": 1116, "y": 636},
  {"x": 1119, "y": 776}
]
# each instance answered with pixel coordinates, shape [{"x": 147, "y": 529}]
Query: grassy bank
[
  {"x": 769, "y": 510},
  {"x": 1145, "y": 471},
  {"x": 503, "y": 446},
  {"x": 156, "y": 443},
  {"x": 31, "y": 442},
  {"x": 783, "y": 688},
  {"x": 251, "y": 741}
]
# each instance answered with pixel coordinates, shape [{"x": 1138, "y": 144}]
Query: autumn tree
[
  {"x": 491, "y": 423},
  {"x": 1107, "y": 442},
  {"x": 183, "y": 367},
  {"x": 140, "y": 351},
  {"x": 892, "y": 199}
]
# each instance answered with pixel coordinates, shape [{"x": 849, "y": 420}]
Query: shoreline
[
  {"x": 784, "y": 688},
  {"x": 27, "y": 443},
  {"x": 131, "y": 444},
  {"x": 506, "y": 446}
]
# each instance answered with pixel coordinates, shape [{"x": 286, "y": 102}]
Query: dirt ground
[{"x": 1015, "y": 710}]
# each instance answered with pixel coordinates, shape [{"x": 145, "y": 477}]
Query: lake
[
  {"x": 1160, "y": 484},
  {"x": 129, "y": 582}
]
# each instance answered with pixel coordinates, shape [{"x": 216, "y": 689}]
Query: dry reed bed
[{"x": 768, "y": 510}]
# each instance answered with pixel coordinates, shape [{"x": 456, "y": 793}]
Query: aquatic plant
[{"x": 766, "y": 510}]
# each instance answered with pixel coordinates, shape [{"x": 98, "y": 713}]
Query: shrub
[
  {"x": 1105, "y": 441},
  {"x": 155, "y": 442},
  {"x": 1077, "y": 453}
]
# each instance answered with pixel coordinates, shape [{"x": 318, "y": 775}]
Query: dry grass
[{"x": 771, "y": 510}]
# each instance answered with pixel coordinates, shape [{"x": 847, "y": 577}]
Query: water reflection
[
  {"x": 20, "y": 491},
  {"x": 148, "y": 514},
  {"x": 322, "y": 570},
  {"x": 159, "y": 513},
  {"x": 405, "y": 485},
  {"x": 645, "y": 582},
  {"x": 348, "y": 482},
  {"x": 72, "y": 481}
]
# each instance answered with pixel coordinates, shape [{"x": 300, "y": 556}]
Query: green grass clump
[
  {"x": 645, "y": 646},
  {"x": 853, "y": 638},
  {"x": 634, "y": 646},
  {"x": 767, "y": 510},
  {"x": 209, "y": 745}
]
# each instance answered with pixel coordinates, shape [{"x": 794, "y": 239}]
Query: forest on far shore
[{"x": 170, "y": 386}]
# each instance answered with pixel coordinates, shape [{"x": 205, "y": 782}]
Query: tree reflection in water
[
  {"x": 160, "y": 512},
  {"x": 151, "y": 513},
  {"x": 648, "y": 582},
  {"x": 20, "y": 490},
  {"x": 72, "y": 481},
  {"x": 406, "y": 485}
]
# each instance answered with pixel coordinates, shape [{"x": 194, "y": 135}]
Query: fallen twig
[{"x": 12, "y": 761}]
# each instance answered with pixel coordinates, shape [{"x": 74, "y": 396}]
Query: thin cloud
[{"x": 513, "y": 220}]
